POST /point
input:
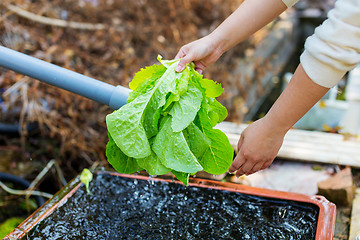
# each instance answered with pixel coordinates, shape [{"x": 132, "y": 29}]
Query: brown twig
[
  {"x": 41, "y": 175},
  {"x": 53, "y": 21},
  {"x": 22, "y": 123},
  {"x": 24, "y": 192}
]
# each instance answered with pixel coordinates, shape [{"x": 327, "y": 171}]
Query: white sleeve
[
  {"x": 289, "y": 3},
  {"x": 334, "y": 48}
]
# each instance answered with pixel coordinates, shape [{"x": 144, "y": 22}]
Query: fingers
[
  {"x": 257, "y": 167},
  {"x": 199, "y": 67},
  {"x": 185, "y": 57},
  {"x": 239, "y": 159},
  {"x": 246, "y": 163},
  {"x": 245, "y": 168},
  {"x": 188, "y": 54},
  {"x": 237, "y": 163},
  {"x": 180, "y": 54},
  {"x": 266, "y": 165},
  {"x": 183, "y": 61},
  {"x": 258, "y": 147},
  {"x": 241, "y": 140}
]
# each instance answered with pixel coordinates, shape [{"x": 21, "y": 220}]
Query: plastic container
[{"x": 43, "y": 217}]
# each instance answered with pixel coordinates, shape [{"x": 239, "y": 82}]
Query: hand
[
  {"x": 257, "y": 148},
  {"x": 202, "y": 52}
]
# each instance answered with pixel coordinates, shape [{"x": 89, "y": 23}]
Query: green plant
[
  {"x": 86, "y": 177},
  {"x": 167, "y": 124},
  {"x": 9, "y": 225}
]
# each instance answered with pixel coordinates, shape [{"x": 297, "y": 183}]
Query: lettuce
[
  {"x": 167, "y": 125},
  {"x": 173, "y": 150}
]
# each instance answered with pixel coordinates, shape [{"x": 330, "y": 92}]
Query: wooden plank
[
  {"x": 305, "y": 145},
  {"x": 355, "y": 217}
]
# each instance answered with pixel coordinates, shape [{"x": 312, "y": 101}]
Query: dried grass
[{"x": 136, "y": 32}]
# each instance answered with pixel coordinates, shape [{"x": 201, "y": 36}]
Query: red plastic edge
[
  {"x": 326, "y": 219},
  {"x": 45, "y": 210}
]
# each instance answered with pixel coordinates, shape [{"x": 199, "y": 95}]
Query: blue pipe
[{"x": 113, "y": 96}]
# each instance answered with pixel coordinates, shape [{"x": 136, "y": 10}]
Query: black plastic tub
[{"x": 138, "y": 207}]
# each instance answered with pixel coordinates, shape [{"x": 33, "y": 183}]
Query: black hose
[
  {"x": 8, "y": 128},
  {"x": 6, "y": 177}
]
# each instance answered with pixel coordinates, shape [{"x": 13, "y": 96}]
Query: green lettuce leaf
[
  {"x": 216, "y": 112},
  {"x": 152, "y": 164},
  {"x": 197, "y": 141},
  {"x": 151, "y": 72},
  {"x": 173, "y": 150},
  {"x": 212, "y": 88},
  {"x": 144, "y": 81},
  {"x": 126, "y": 128},
  {"x": 119, "y": 160},
  {"x": 132, "y": 125},
  {"x": 219, "y": 156},
  {"x": 167, "y": 124},
  {"x": 180, "y": 89},
  {"x": 166, "y": 63},
  {"x": 184, "y": 111},
  {"x": 183, "y": 177}
]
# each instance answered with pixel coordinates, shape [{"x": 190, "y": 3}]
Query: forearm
[
  {"x": 250, "y": 16},
  {"x": 297, "y": 98}
]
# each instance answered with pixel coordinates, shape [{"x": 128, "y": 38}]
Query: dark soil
[{"x": 121, "y": 208}]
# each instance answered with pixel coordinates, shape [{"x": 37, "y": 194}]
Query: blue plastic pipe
[{"x": 113, "y": 96}]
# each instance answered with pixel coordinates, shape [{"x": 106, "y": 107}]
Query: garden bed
[{"x": 140, "y": 207}]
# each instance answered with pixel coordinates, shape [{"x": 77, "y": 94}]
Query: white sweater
[{"x": 334, "y": 48}]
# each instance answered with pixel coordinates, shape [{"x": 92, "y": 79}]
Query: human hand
[
  {"x": 202, "y": 52},
  {"x": 257, "y": 148}
]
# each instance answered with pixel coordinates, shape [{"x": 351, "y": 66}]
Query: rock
[{"x": 339, "y": 188}]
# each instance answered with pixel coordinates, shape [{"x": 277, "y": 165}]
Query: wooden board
[
  {"x": 305, "y": 145},
  {"x": 355, "y": 217}
]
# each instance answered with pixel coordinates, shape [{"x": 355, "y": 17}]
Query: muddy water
[{"x": 121, "y": 208}]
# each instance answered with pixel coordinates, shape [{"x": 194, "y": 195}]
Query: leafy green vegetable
[
  {"x": 167, "y": 124},
  {"x": 9, "y": 225},
  {"x": 119, "y": 160},
  {"x": 145, "y": 80},
  {"x": 146, "y": 74},
  {"x": 212, "y": 89},
  {"x": 181, "y": 88},
  {"x": 216, "y": 112},
  {"x": 153, "y": 165},
  {"x": 183, "y": 177},
  {"x": 196, "y": 140},
  {"x": 132, "y": 125},
  {"x": 184, "y": 111},
  {"x": 173, "y": 150},
  {"x": 218, "y": 157}
]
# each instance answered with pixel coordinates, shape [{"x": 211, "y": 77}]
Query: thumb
[{"x": 182, "y": 63}]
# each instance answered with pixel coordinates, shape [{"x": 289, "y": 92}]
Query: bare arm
[
  {"x": 298, "y": 97},
  {"x": 261, "y": 141},
  {"x": 249, "y": 17}
]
